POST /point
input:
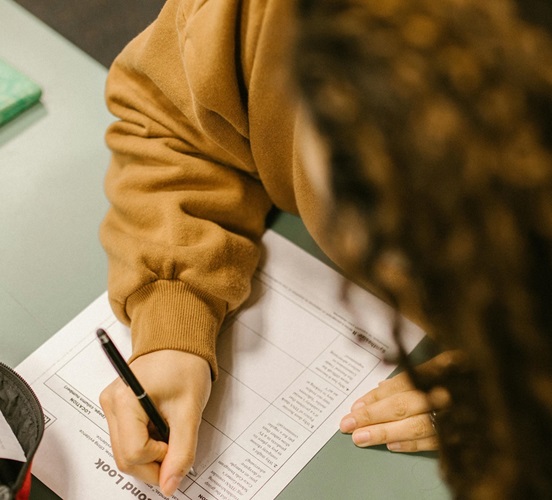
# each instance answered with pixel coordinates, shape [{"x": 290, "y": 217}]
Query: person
[
  {"x": 415, "y": 133},
  {"x": 435, "y": 121}
]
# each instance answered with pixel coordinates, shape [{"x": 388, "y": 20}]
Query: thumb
[{"x": 180, "y": 454}]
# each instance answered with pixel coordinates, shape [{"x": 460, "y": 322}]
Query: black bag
[{"x": 23, "y": 412}]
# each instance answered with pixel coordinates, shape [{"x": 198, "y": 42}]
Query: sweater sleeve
[{"x": 187, "y": 208}]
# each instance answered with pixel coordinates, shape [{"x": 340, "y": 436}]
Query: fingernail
[
  {"x": 171, "y": 485},
  {"x": 348, "y": 424},
  {"x": 394, "y": 446},
  {"x": 362, "y": 438}
]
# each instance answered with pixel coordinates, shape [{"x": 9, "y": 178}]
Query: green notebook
[{"x": 17, "y": 92}]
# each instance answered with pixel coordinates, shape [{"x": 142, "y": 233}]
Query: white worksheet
[{"x": 292, "y": 361}]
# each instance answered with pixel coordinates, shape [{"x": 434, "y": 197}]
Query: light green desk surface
[{"x": 52, "y": 163}]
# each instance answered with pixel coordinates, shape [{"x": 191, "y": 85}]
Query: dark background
[{"x": 99, "y": 27}]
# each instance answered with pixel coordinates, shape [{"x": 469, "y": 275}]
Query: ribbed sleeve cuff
[{"x": 172, "y": 315}]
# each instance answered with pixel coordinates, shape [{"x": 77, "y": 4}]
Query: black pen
[{"x": 130, "y": 379}]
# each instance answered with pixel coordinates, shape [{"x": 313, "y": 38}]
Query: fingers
[
  {"x": 179, "y": 383},
  {"x": 427, "y": 444},
  {"x": 181, "y": 454},
  {"x": 441, "y": 363},
  {"x": 400, "y": 420},
  {"x": 398, "y": 384},
  {"x": 139, "y": 454},
  {"x": 415, "y": 432},
  {"x": 394, "y": 407},
  {"x": 184, "y": 422},
  {"x": 135, "y": 453},
  {"x": 397, "y": 414}
]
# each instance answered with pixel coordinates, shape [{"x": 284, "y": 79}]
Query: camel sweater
[{"x": 206, "y": 142}]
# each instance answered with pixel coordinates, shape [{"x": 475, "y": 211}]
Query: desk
[{"x": 52, "y": 164}]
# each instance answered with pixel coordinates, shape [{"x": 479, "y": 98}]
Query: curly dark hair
[{"x": 437, "y": 116}]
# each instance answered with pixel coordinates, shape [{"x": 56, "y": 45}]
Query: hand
[
  {"x": 180, "y": 384},
  {"x": 397, "y": 414}
]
